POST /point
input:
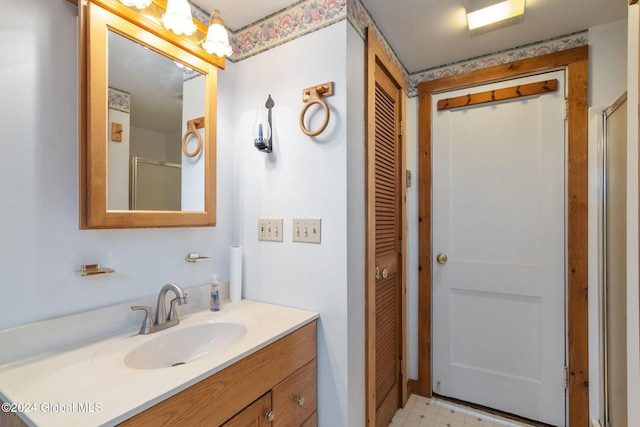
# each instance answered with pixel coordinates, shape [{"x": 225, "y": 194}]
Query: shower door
[{"x": 615, "y": 265}]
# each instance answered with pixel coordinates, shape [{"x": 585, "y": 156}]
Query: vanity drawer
[{"x": 294, "y": 399}]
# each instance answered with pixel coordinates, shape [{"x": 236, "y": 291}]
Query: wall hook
[{"x": 313, "y": 95}]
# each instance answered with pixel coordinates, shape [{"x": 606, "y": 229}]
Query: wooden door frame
[
  {"x": 575, "y": 62},
  {"x": 375, "y": 54}
]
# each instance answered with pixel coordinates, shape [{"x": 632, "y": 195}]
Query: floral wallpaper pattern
[
  {"x": 119, "y": 100},
  {"x": 307, "y": 16},
  {"x": 301, "y": 18}
]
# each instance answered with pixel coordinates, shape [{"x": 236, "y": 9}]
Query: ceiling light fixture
[
  {"x": 177, "y": 17},
  {"x": 217, "y": 41},
  {"x": 481, "y": 13}
]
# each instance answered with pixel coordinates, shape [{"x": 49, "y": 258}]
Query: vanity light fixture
[
  {"x": 177, "y": 17},
  {"x": 482, "y": 13},
  {"x": 217, "y": 41},
  {"x": 262, "y": 135},
  {"x": 138, "y": 4}
]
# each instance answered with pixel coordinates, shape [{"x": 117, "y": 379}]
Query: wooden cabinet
[
  {"x": 282, "y": 374},
  {"x": 294, "y": 399},
  {"x": 255, "y": 415}
]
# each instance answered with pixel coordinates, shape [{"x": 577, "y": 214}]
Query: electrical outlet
[
  {"x": 307, "y": 230},
  {"x": 270, "y": 229}
]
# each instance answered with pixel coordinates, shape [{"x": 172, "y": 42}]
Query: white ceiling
[{"x": 431, "y": 33}]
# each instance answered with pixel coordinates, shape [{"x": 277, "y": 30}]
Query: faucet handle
[
  {"x": 147, "y": 323},
  {"x": 173, "y": 313}
]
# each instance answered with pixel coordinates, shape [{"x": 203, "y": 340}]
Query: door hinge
[
  {"x": 566, "y": 108},
  {"x": 400, "y": 130},
  {"x": 566, "y": 378}
]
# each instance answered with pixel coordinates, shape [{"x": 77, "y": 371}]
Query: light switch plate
[
  {"x": 307, "y": 230},
  {"x": 270, "y": 229}
]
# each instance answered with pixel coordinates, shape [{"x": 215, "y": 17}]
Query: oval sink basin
[{"x": 184, "y": 344}]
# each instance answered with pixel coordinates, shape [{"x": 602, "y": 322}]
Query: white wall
[
  {"x": 607, "y": 65},
  {"x": 40, "y": 244},
  {"x": 118, "y": 162},
  {"x": 356, "y": 232},
  {"x": 412, "y": 238},
  {"x": 303, "y": 178},
  {"x": 148, "y": 144},
  {"x": 193, "y": 167}
]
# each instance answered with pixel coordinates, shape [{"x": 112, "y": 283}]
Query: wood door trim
[
  {"x": 375, "y": 54},
  {"x": 575, "y": 61}
]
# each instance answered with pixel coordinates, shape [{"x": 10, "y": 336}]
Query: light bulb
[
  {"x": 217, "y": 41},
  {"x": 177, "y": 17},
  {"x": 139, "y": 4}
]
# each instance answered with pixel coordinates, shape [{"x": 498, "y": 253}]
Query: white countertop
[{"x": 90, "y": 385}]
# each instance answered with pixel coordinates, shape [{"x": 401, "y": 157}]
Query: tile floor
[{"x": 424, "y": 412}]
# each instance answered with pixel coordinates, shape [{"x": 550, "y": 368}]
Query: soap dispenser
[{"x": 215, "y": 294}]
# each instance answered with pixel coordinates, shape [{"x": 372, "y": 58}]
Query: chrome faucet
[{"x": 162, "y": 320}]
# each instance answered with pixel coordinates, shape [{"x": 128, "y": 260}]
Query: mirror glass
[{"x": 151, "y": 97}]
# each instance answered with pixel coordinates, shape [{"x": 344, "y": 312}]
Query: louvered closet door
[{"x": 387, "y": 248}]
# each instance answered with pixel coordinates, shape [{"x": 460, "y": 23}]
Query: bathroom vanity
[
  {"x": 277, "y": 383},
  {"x": 263, "y": 370}
]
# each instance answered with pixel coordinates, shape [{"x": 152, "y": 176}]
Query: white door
[{"x": 499, "y": 217}]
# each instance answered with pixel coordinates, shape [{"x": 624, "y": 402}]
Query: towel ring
[
  {"x": 312, "y": 96},
  {"x": 314, "y": 99},
  {"x": 192, "y": 128}
]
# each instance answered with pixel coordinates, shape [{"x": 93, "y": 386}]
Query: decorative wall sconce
[{"x": 262, "y": 136}]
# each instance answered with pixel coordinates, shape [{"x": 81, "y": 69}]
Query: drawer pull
[
  {"x": 300, "y": 401},
  {"x": 270, "y": 416}
]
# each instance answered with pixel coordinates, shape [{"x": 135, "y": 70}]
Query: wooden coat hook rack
[
  {"x": 503, "y": 94},
  {"x": 313, "y": 95}
]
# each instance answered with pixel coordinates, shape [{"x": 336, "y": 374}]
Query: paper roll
[{"x": 235, "y": 274}]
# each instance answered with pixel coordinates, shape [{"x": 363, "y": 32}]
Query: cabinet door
[
  {"x": 254, "y": 415},
  {"x": 294, "y": 399}
]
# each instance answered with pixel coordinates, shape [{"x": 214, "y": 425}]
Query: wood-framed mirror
[{"x": 142, "y": 164}]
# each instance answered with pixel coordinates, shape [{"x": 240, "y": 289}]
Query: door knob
[
  {"x": 441, "y": 258},
  {"x": 270, "y": 416},
  {"x": 384, "y": 273}
]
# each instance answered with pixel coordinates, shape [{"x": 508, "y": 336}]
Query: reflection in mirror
[{"x": 151, "y": 97}]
